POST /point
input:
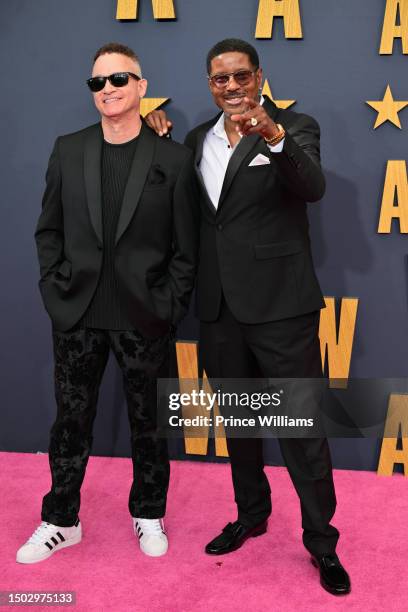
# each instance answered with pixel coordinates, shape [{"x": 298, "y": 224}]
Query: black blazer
[
  {"x": 156, "y": 238},
  {"x": 255, "y": 247}
]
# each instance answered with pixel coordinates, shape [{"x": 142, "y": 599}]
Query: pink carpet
[{"x": 271, "y": 572}]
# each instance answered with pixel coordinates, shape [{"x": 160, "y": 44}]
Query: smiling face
[
  {"x": 117, "y": 102},
  {"x": 230, "y": 98}
]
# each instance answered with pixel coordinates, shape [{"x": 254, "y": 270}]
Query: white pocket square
[{"x": 260, "y": 160}]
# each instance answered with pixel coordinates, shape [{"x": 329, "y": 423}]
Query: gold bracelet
[{"x": 276, "y": 139}]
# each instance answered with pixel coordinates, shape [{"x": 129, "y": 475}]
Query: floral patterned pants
[{"x": 80, "y": 359}]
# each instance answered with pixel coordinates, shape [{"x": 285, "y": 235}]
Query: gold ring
[{"x": 254, "y": 121}]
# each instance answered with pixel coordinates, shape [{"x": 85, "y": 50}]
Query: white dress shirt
[{"x": 216, "y": 155}]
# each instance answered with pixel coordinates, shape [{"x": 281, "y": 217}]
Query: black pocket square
[{"x": 156, "y": 176}]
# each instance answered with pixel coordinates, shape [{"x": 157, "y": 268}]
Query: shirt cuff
[{"x": 277, "y": 148}]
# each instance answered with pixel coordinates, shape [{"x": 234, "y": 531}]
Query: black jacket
[
  {"x": 156, "y": 238},
  {"x": 255, "y": 247}
]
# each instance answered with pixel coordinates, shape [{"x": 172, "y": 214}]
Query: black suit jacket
[
  {"x": 156, "y": 238},
  {"x": 255, "y": 247}
]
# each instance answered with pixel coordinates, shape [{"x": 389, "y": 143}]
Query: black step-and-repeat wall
[{"x": 345, "y": 63}]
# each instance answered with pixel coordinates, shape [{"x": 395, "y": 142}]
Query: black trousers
[
  {"x": 282, "y": 349},
  {"x": 80, "y": 359}
]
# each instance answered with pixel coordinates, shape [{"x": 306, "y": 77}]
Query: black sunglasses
[
  {"x": 117, "y": 79},
  {"x": 242, "y": 77}
]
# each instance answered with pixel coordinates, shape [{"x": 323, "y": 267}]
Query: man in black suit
[
  {"x": 117, "y": 248},
  {"x": 258, "y": 298}
]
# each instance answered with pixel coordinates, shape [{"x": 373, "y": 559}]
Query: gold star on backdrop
[
  {"x": 387, "y": 109},
  {"x": 149, "y": 104},
  {"x": 266, "y": 90}
]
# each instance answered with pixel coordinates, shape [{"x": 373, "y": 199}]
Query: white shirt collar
[{"x": 219, "y": 127}]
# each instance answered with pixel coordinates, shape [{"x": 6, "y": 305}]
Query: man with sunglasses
[
  {"x": 117, "y": 246},
  {"x": 258, "y": 298}
]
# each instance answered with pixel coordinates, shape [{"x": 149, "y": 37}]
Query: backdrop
[{"x": 46, "y": 48}]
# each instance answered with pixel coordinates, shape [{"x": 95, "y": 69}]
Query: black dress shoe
[
  {"x": 233, "y": 536},
  {"x": 333, "y": 576}
]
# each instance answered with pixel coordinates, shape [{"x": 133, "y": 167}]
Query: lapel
[
  {"x": 137, "y": 177},
  {"x": 242, "y": 150},
  {"x": 92, "y": 173}
]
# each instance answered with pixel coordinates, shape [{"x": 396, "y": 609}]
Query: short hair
[
  {"x": 229, "y": 45},
  {"x": 114, "y": 47}
]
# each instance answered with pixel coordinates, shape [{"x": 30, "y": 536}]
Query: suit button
[
  {"x": 99, "y": 247},
  {"x": 219, "y": 227}
]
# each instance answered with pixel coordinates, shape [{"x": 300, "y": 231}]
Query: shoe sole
[
  {"x": 153, "y": 554},
  {"x": 65, "y": 544},
  {"x": 257, "y": 532},
  {"x": 326, "y": 586}
]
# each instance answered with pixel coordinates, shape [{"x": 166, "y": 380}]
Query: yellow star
[
  {"x": 266, "y": 90},
  {"x": 149, "y": 104},
  {"x": 387, "y": 109}
]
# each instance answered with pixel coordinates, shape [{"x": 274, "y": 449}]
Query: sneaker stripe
[
  {"x": 54, "y": 540},
  {"x": 61, "y": 537},
  {"x": 48, "y": 545}
]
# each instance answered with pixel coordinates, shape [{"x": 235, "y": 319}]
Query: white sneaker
[
  {"x": 46, "y": 539},
  {"x": 152, "y": 537}
]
